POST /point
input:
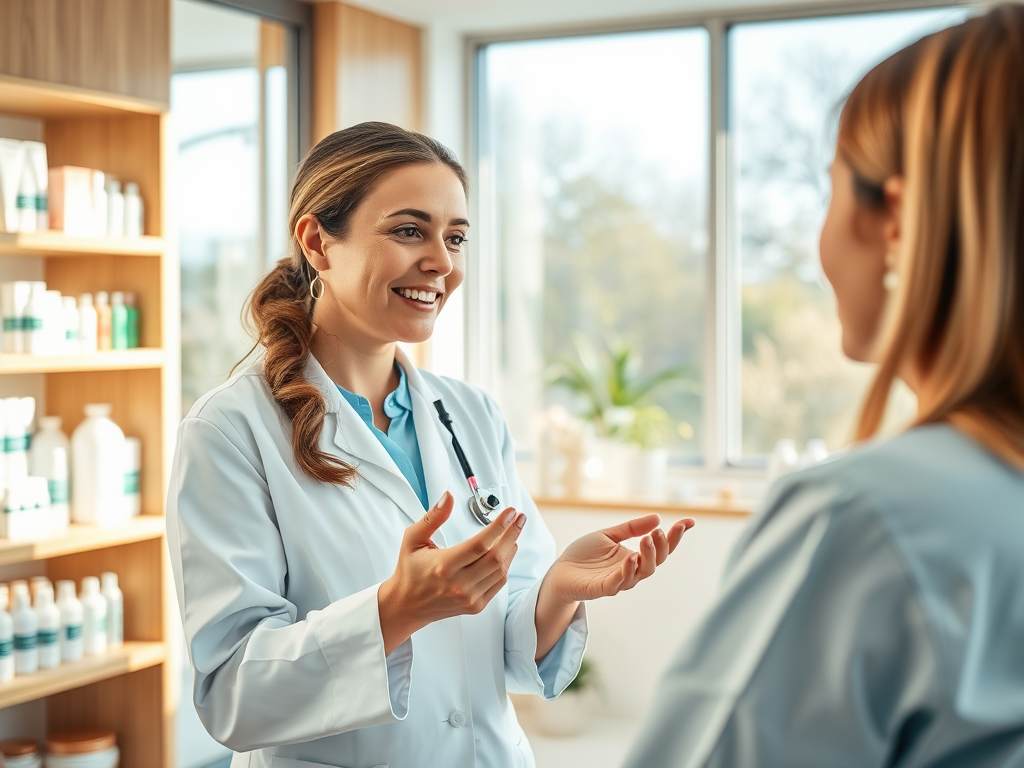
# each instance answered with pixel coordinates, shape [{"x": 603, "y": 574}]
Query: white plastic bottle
[
  {"x": 133, "y": 216},
  {"x": 132, "y": 476},
  {"x": 115, "y": 609},
  {"x": 115, "y": 209},
  {"x": 87, "y": 325},
  {"x": 48, "y": 635},
  {"x": 94, "y": 618},
  {"x": 53, "y": 323},
  {"x": 6, "y": 636},
  {"x": 71, "y": 325},
  {"x": 97, "y": 469},
  {"x": 71, "y": 619},
  {"x": 26, "y": 628},
  {"x": 48, "y": 457},
  {"x": 33, "y": 323}
]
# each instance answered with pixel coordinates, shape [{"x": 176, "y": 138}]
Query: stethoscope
[{"x": 480, "y": 505}]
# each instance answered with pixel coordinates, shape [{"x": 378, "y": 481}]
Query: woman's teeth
[{"x": 427, "y": 297}]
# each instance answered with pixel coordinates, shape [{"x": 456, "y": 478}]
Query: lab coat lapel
[
  {"x": 364, "y": 451},
  {"x": 433, "y": 452}
]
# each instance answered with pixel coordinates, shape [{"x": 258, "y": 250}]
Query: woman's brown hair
[
  {"x": 952, "y": 125},
  {"x": 331, "y": 182}
]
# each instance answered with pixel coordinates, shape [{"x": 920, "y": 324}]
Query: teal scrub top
[
  {"x": 400, "y": 442},
  {"x": 871, "y": 615}
]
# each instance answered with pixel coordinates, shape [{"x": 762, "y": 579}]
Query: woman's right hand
[{"x": 430, "y": 584}]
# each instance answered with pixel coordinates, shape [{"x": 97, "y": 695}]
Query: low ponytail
[{"x": 331, "y": 182}]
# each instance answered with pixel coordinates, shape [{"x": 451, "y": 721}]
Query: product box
[
  {"x": 72, "y": 203},
  {"x": 12, "y": 162}
]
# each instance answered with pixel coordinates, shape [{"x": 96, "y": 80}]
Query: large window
[
  {"x": 600, "y": 238},
  {"x": 787, "y": 80},
  {"x": 597, "y": 159}
]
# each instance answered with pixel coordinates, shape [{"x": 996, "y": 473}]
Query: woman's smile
[{"x": 421, "y": 298}]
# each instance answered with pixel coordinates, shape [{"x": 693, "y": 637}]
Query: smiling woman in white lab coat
[{"x": 333, "y": 616}]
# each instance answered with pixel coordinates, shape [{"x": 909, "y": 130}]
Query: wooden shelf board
[
  {"x": 82, "y": 538},
  {"x": 32, "y": 98},
  {"x": 54, "y": 243},
  {"x": 114, "y": 360},
  {"x": 711, "y": 507},
  {"x": 130, "y": 657}
]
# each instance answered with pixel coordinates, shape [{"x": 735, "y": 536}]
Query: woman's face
[
  {"x": 400, "y": 260},
  {"x": 853, "y": 246}
]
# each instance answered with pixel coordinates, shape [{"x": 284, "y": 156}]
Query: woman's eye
[
  {"x": 457, "y": 240},
  {"x": 407, "y": 231}
]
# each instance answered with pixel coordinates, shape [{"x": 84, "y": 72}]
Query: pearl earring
[{"x": 891, "y": 280}]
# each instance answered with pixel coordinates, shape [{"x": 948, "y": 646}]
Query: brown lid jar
[
  {"x": 18, "y": 747},
  {"x": 80, "y": 742}
]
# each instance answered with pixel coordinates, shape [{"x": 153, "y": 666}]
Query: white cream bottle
[
  {"x": 6, "y": 636},
  {"x": 71, "y": 618},
  {"x": 115, "y": 610},
  {"x": 48, "y": 635},
  {"x": 26, "y": 628},
  {"x": 94, "y": 618}
]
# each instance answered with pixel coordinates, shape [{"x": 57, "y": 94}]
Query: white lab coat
[{"x": 277, "y": 579}]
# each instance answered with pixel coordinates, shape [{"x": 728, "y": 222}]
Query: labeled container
[
  {"x": 32, "y": 327},
  {"x": 12, "y": 161},
  {"x": 71, "y": 325},
  {"x": 48, "y": 636},
  {"x": 133, "y": 212},
  {"x": 115, "y": 209},
  {"x": 14, "y": 298},
  {"x": 92, "y": 748},
  {"x": 97, "y": 469},
  {"x": 94, "y": 618},
  {"x": 48, "y": 457},
  {"x": 72, "y": 644},
  {"x": 115, "y": 609},
  {"x": 35, "y": 163},
  {"x": 6, "y": 636},
  {"x": 131, "y": 303},
  {"x": 118, "y": 321},
  {"x": 104, "y": 335},
  {"x": 18, "y": 413},
  {"x": 20, "y": 753},
  {"x": 26, "y": 630},
  {"x": 88, "y": 324},
  {"x": 132, "y": 476}
]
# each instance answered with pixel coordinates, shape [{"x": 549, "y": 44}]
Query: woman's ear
[
  {"x": 892, "y": 189},
  {"x": 308, "y": 235}
]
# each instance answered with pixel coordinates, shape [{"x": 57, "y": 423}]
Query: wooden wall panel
[
  {"x": 118, "y": 46},
  {"x": 365, "y": 67}
]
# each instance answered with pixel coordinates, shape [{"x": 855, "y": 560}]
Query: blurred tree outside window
[
  {"x": 599, "y": 147},
  {"x": 787, "y": 81}
]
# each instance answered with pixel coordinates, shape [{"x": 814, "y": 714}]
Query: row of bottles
[
  {"x": 47, "y": 481},
  {"x": 39, "y": 321},
  {"x": 38, "y": 631}
]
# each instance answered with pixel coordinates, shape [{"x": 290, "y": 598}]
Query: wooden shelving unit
[
  {"x": 708, "y": 507},
  {"x": 128, "y": 690}
]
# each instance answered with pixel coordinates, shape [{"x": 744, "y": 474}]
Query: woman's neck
[{"x": 366, "y": 369}]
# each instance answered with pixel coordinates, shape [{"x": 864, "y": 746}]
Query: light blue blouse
[
  {"x": 871, "y": 615},
  {"x": 400, "y": 442}
]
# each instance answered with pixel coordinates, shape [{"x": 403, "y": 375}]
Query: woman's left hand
[{"x": 597, "y": 565}]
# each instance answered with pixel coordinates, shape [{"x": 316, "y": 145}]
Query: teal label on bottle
[
  {"x": 72, "y": 632},
  {"x": 24, "y": 642},
  {"x": 12, "y": 324},
  {"x": 47, "y": 636},
  {"x": 31, "y": 323},
  {"x": 59, "y": 491},
  {"x": 42, "y": 204},
  {"x": 6, "y": 648},
  {"x": 131, "y": 483},
  {"x": 16, "y": 444},
  {"x": 70, "y": 335},
  {"x": 26, "y": 202},
  {"x": 101, "y": 626}
]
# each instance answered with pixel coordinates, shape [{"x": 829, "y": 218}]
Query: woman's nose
[{"x": 437, "y": 259}]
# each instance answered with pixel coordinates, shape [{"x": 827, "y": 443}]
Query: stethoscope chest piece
[{"x": 484, "y": 506}]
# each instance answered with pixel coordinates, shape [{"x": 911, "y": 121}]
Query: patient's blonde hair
[{"x": 958, "y": 141}]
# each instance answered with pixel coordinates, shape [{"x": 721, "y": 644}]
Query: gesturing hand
[
  {"x": 430, "y": 584},
  {"x": 597, "y": 565}
]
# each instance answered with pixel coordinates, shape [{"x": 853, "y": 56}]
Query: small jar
[
  {"x": 20, "y": 753},
  {"x": 89, "y": 748}
]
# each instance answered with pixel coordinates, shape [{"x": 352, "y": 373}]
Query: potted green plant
[
  {"x": 615, "y": 397},
  {"x": 567, "y": 715}
]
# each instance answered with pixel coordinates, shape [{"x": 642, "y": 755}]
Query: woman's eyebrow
[{"x": 424, "y": 216}]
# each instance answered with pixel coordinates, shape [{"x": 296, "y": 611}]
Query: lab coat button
[{"x": 457, "y": 719}]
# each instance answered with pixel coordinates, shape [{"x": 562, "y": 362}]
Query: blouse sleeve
[
  {"x": 263, "y": 675},
  {"x": 818, "y": 653}
]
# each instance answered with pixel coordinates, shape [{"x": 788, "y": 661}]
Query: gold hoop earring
[{"x": 317, "y": 288}]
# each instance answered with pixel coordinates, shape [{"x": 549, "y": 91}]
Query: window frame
[{"x": 721, "y": 405}]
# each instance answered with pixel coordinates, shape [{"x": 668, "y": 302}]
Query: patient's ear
[{"x": 892, "y": 232}]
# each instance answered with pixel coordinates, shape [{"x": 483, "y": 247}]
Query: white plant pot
[
  {"x": 565, "y": 716},
  {"x": 647, "y": 475}
]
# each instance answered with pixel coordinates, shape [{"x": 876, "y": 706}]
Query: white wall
[{"x": 634, "y": 634}]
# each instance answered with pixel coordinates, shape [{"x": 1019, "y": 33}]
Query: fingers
[
  {"x": 675, "y": 534},
  {"x": 648, "y": 558},
  {"x": 418, "y": 534},
  {"x": 473, "y": 549},
  {"x": 625, "y": 577},
  {"x": 499, "y": 556},
  {"x": 661, "y": 546},
  {"x": 632, "y": 528}
]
